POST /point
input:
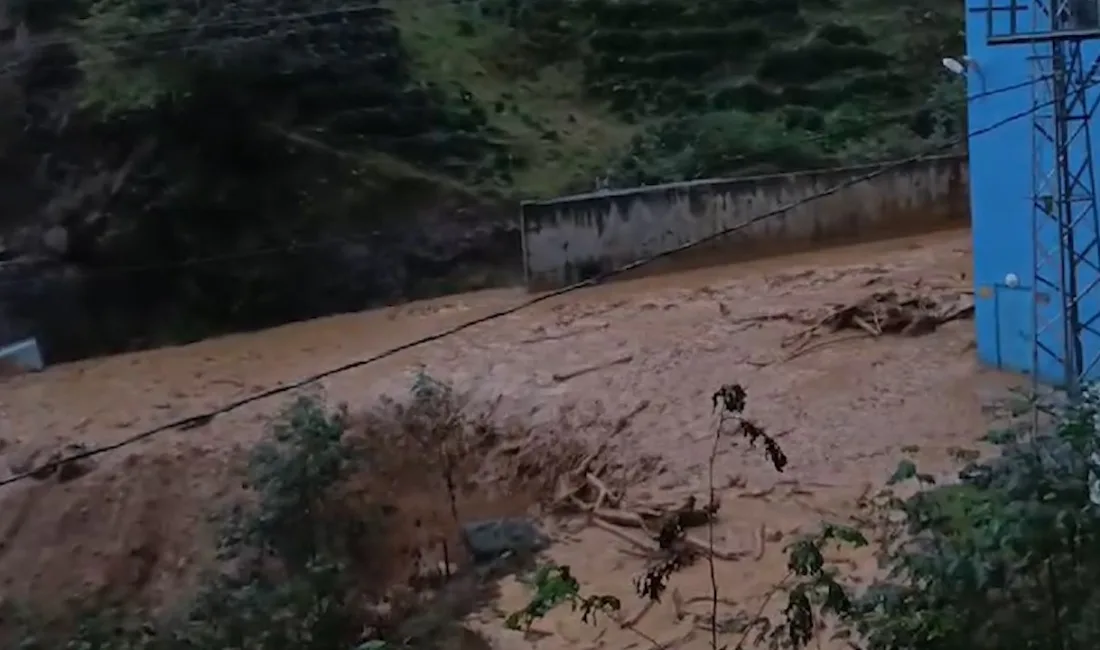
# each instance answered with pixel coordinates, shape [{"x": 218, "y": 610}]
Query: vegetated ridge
[{"x": 174, "y": 170}]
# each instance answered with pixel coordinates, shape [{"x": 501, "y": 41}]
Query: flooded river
[{"x": 650, "y": 349}]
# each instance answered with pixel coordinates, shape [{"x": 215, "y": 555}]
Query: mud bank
[{"x": 104, "y": 304}]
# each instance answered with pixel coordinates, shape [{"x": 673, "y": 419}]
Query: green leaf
[
  {"x": 906, "y": 470},
  {"x": 1001, "y": 436},
  {"x": 845, "y": 534}
]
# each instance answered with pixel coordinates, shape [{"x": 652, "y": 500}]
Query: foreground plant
[
  {"x": 297, "y": 553},
  {"x": 553, "y": 586},
  {"x": 1005, "y": 559}
]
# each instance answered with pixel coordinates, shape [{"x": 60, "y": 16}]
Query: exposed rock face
[{"x": 78, "y": 309}]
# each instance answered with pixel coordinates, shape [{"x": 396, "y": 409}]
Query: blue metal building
[{"x": 1032, "y": 81}]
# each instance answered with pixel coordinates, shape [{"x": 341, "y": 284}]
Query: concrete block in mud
[
  {"x": 492, "y": 538},
  {"x": 21, "y": 356}
]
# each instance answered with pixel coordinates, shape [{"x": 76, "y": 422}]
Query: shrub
[
  {"x": 301, "y": 556},
  {"x": 1007, "y": 559},
  {"x": 292, "y": 583}
]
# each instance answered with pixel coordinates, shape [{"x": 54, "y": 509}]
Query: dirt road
[{"x": 652, "y": 350}]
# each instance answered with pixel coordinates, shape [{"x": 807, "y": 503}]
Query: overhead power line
[
  {"x": 212, "y": 46},
  {"x": 195, "y": 421},
  {"x": 199, "y": 25}
]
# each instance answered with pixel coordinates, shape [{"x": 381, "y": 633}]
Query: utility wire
[
  {"x": 900, "y": 116},
  {"x": 200, "y": 25},
  {"x": 230, "y": 258},
  {"x": 213, "y": 46},
  {"x": 196, "y": 421}
]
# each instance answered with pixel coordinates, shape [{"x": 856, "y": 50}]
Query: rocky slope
[{"x": 174, "y": 172}]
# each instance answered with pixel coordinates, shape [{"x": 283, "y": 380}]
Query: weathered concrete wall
[{"x": 572, "y": 238}]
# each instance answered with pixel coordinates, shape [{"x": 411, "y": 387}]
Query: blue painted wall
[{"x": 1001, "y": 206}]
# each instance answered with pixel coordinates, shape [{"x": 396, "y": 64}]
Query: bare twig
[
  {"x": 762, "y": 542},
  {"x": 810, "y": 347},
  {"x": 779, "y": 586},
  {"x": 885, "y": 312},
  {"x": 563, "y": 335},
  {"x": 622, "y": 423},
  {"x": 643, "y": 544},
  {"x": 710, "y": 534},
  {"x": 711, "y": 550},
  {"x": 606, "y": 494},
  {"x": 865, "y": 326},
  {"x": 620, "y": 518},
  {"x": 566, "y": 376},
  {"x": 637, "y": 616}
]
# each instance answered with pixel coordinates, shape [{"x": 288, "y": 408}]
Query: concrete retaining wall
[{"x": 572, "y": 238}]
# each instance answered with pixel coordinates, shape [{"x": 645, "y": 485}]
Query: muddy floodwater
[{"x": 650, "y": 351}]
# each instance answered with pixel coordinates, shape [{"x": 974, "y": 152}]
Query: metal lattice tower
[{"x": 1065, "y": 221}]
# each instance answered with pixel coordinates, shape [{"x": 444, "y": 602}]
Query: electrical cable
[
  {"x": 900, "y": 116},
  {"x": 228, "y": 258},
  {"x": 198, "y": 26},
  {"x": 196, "y": 421},
  {"x": 215, "y": 46}
]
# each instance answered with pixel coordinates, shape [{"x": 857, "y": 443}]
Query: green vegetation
[
  {"x": 1004, "y": 559},
  {"x": 294, "y": 557},
  {"x": 637, "y": 91},
  {"x": 515, "y": 98},
  {"x": 309, "y": 557},
  {"x": 156, "y": 133}
]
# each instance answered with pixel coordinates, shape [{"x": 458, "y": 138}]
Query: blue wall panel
[{"x": 1001, "y": 164}]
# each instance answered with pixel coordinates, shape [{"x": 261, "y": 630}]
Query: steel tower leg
[{"x": 1065, "y": 220}]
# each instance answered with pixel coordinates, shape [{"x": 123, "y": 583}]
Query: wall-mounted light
[
  {"x": 953, "y": 66},
  {"x": 962, "y": 66}
]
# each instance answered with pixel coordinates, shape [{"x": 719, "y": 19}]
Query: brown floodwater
[{"x": 651, "y": 350}]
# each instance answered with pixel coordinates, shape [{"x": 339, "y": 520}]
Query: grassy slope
[
  {"x": 567, "y": 140},
  {"x": 446, "y": 52}
]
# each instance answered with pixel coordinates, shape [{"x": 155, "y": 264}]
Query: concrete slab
[{"x": 21, "y": 356}]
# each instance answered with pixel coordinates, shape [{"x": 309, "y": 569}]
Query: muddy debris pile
[
  {"x": 887, "y": 312},
  {"x": 61, "y": 462}
]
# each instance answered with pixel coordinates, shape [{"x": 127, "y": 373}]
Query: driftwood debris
[
  {"x": 577, "y": 372},
  {"x": 658, "y": 531},
  {"x": 887, "y": 312},
  {"x": 583, "y": 492}
]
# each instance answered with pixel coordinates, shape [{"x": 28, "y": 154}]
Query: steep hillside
[
  {"x": 621, "y": 92},
  {"x": 171, "y": 169}
]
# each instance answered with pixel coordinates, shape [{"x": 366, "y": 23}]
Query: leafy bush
[
  {"x": 297, "y": 557},
  {"x": 293, "y": 584},
  {"x": 1006, "y": 559},
  {"x": 716, "y": 144},
  {"x": 332, "y": 546},
  {"x": 289, "y": 580}
]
